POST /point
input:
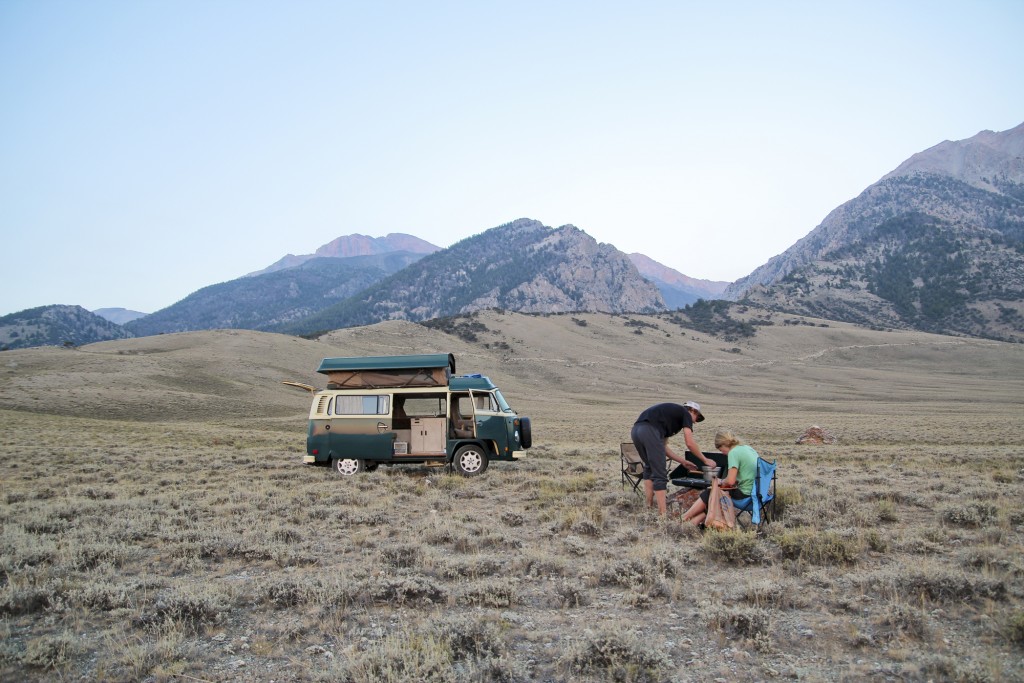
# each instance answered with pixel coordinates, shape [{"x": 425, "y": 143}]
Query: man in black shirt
[{"x": 650, "y": 435}]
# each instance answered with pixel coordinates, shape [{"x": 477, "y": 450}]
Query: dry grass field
[{"x": 158, "y": 523}]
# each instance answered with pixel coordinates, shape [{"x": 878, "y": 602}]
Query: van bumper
[{"x": 309, "y": 459}]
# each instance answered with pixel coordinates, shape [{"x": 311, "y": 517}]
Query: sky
[{"x": 149, "y": 148}]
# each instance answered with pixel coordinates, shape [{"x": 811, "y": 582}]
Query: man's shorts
[{"x": 650, "y": 444}]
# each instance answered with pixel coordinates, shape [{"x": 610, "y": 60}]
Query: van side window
[
  {"x": 485, "y": 402},
  {"x": 425, "y": 406},
  {"x": 361, "y": 405}
]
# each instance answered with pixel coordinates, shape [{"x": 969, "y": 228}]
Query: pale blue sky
[{"x": 150, "y": 148}]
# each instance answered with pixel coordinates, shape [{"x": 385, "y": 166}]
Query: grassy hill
[{"x": 159, "y": 524}]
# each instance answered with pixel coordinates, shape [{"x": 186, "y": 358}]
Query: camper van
[{"x": 409, "y": 409}]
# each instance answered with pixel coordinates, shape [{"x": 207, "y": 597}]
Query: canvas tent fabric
[{"x": 423, "y": 370}]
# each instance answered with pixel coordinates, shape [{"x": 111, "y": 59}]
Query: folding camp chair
[
  {"x": 632, "y": 466},
  {"x": 761, "y": 502}
]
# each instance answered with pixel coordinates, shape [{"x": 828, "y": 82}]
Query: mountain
[
  {"x": 677, "y": 289},
  {"x": 262, "y": 302},
  {"x": 56, "y": 326},
  {"x": 356, "y": 245},
  {"x": 521, "y": 266},
  {"x": 119, "y": 316},
  {"x": 936, "y": 245}
]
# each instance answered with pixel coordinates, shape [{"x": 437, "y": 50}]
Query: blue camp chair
[{"x": 761, "y": 502}]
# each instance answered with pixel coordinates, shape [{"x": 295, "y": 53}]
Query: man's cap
[{"x": 695, "y": 406}]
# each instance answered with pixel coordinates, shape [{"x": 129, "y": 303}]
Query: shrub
[
  {"x": 875, "y": 542},
  {"x": 638, "y": 600},
  {"x": 469, "y": 637},
  {"x": 938, "y": 584},
  {"x": 104, "y": 595},
  {"x": 646, "y": 574},
  {"x": 473, "y": 568},
  {"x": 786, "y": 498},
  {"x": 920, "y": 546},
  {"x": 973, "y": 514},
  {"x": 1015, "y": 628},
  {"x": 950, "y": 586},
  {"x": 887, "y": 511},
  {"x": 613, "y": 656},
  {"x": 902, "y": 621},
  {"x": 297, "y": 591},
  {"x": 743, "y": 622},
  {"x": 511, "y": 518},
  {"x": 819, "y": 547},
  {"x": 192, "y": 609},
  {"x": 402, "y": 555},
  {"x": 405, "y": 656},
  {"x": 15, "y": 600},
  {"x": 404, "y": 590},
  {"x": 941, "y": 667},
  {"x": 768, "y": 593},
  {"x": 572, "y": 594},
  {"x": 733, "y": 547},
  {"x": 493, "y": 593},
  {"x": 50, "y": 652}
]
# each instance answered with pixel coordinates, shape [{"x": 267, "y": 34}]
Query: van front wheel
[
  {"x": 470, "y": 461},
  {"x": 346, "y": 467}
]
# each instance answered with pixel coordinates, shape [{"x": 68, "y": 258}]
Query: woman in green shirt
[{"x": 740, "y": 479}]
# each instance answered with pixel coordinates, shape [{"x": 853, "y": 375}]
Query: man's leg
[
  {"x": 641, "y": 437},
  {"x": 659, "y": 496},
  {"x": 659, "y": 473}
]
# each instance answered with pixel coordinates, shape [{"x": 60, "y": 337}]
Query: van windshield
[{"x": 502, "y": 403}]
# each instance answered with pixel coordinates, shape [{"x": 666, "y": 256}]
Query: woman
[{"x": 740, "y": 479}]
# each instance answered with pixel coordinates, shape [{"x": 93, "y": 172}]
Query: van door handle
[{"x": 381, "y": 427}]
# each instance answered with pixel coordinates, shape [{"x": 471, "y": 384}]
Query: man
[{"x": 650, "y": 435}]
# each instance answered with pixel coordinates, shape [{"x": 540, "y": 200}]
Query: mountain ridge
[
  {"x": 522, "y": 266},
  {"x": 56, "y": 325},
  {"x": 262, "y": 302}
]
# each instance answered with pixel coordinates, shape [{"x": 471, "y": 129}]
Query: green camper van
[{"x": 409, "y": 409}]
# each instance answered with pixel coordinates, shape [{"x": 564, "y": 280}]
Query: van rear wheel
[
  {"x": 347, "y": 467},
  {"x": 470, "y": 461}
]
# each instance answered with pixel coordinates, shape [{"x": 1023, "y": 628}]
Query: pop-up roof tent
[{"x": 373, "y": 372}]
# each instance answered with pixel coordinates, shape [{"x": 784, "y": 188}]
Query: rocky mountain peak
[
  {"x": 987, "y": 160},
  {"x": 364, "y": 245},
  {"x": 348, "y": 246}
]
